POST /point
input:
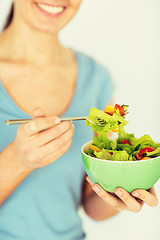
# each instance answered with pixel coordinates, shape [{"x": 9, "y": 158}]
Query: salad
[{"x": 126, "y": 147}]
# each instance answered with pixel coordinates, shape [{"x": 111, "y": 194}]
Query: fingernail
[
  {"x": 72, "y": 125},
  {"x": 57, "y": 120},
  {"x": 119, "y": 193},
  {"x": 88, "y": 179},
  {"x": 136, "y": 194},
  {"x": 96, "y": 188}
]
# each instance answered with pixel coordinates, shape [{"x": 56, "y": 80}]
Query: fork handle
[{"x": 19, "y": 121}]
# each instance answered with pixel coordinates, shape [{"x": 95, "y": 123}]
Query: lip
[
  {"x": 51, "y": 5},
  {"x": 53, "y": 15}
]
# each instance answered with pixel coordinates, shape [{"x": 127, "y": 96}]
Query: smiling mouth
[{"x": 51, "y": 9}]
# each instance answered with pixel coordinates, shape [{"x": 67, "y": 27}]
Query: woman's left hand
[{"x": 122, "y": 200}]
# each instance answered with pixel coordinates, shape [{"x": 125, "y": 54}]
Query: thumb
[{"x": 38, "y": 112}]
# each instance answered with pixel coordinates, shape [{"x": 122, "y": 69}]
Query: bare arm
[
  {"x": 94, "y": 206},
  {"x": 37, "y": 144},
  {"x": 11, "y": 175}
]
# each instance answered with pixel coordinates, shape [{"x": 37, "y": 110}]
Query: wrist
[{"x": 9, "y": 162}]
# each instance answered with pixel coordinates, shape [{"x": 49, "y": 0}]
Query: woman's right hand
[{"x": 41, "y": 141}]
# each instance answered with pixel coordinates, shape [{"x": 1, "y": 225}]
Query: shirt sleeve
[{"x": 106, "y": 88}]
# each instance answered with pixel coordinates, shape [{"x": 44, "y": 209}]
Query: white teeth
[{"x": 50, "y": 9}]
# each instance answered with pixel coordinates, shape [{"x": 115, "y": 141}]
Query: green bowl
[{"x": 129, "y": 175}]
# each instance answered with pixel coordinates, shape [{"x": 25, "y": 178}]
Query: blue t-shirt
[{"x": 45, "y": 204}]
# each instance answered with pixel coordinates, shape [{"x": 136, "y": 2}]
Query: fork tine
[{"x": 91, "y": 121}]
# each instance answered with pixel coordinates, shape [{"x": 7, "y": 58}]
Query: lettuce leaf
[
  {"x": 125, "y": 147},
  {"x": 102, "y": 141},
  {"x": 113, "y": 144},
  {"x": 111, "y": 122},
  {"x": 104, "y": 154},
  {"x": 145, "y": 141},
  {"x": 155, "y": 153},
  {"x": 90, "y": 153},
  {"x": 122, "y": 134},
  {"x": 120, "y": 156}
]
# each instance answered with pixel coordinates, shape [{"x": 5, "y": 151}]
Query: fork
[{"x": 101, "y": 122}]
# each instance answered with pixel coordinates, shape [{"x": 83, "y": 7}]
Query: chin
[
  {"x": 50, "y": 18},
  {"x": 47, "y": 15},
  {"x": 50, "y": 29}
]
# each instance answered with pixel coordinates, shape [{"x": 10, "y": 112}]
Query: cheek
[
  {"x": 23, "y": 7},
  {"x": 75, "y": 4},
  {"x": 20, "y": 4}
]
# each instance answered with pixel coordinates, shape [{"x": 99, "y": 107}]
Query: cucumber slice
[{"x": 125, "y": 107}]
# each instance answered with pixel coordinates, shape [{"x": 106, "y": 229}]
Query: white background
[{"x": 123, "y": 35}]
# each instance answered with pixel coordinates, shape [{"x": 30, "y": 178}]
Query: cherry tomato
[
  {"x": 121, "y": 110},
  {"x": 146, "y": 149},
  {"x": 124, "y": 141}
]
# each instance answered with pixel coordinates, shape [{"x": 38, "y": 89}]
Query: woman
[{"x": 41, "y": 181}]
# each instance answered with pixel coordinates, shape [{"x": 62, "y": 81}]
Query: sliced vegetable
[
  {"x": 155, "y": 153},
  {"x": 113, "y": 144},
  {"x": 94, "y": 148},
  {"x": 120, "y": 156},
  {"x": 146, "y": 149},
  {"x": 121, "y": 110},
  {"x": 103, "y": 154},
  {"x": 145, "y": 158},
  {"x": 115, "y": 130},
  {"x": 139, "y": 156},
  {"x": 124, "y": 141},
  {"x": 111, "y": 153},
  {"x": 111, "y": 114},
  {"x": 110, "y": 110},
  {"x": 125, "y": 107}
]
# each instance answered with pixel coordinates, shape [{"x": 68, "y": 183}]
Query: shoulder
[
  {"x": 89, "y": 61},
  {"x": 89, "y": 65},
  {"x": 96, "y": 77}
]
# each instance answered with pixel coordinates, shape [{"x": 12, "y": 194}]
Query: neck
[{"x": 24, "y": 43}]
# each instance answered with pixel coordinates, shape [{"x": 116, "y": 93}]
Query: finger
[
  {"x": 91, "y": 183},
  {"x": 89, "y": 180},
  {"x": 152, "y": 191},
  {"x": 140, "y": 201},
  {"x": 57, "y": 154},
  {"x": 148, "y": 197},
  {"x": 128, "y": 200},
  {"x": 108, "y": 198},
  {"x": 57, "y": 143},
  {"x": 39, "y": 124},
  {"x": 52, "y": 133},
  {"x": 38, "y": 112}
]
